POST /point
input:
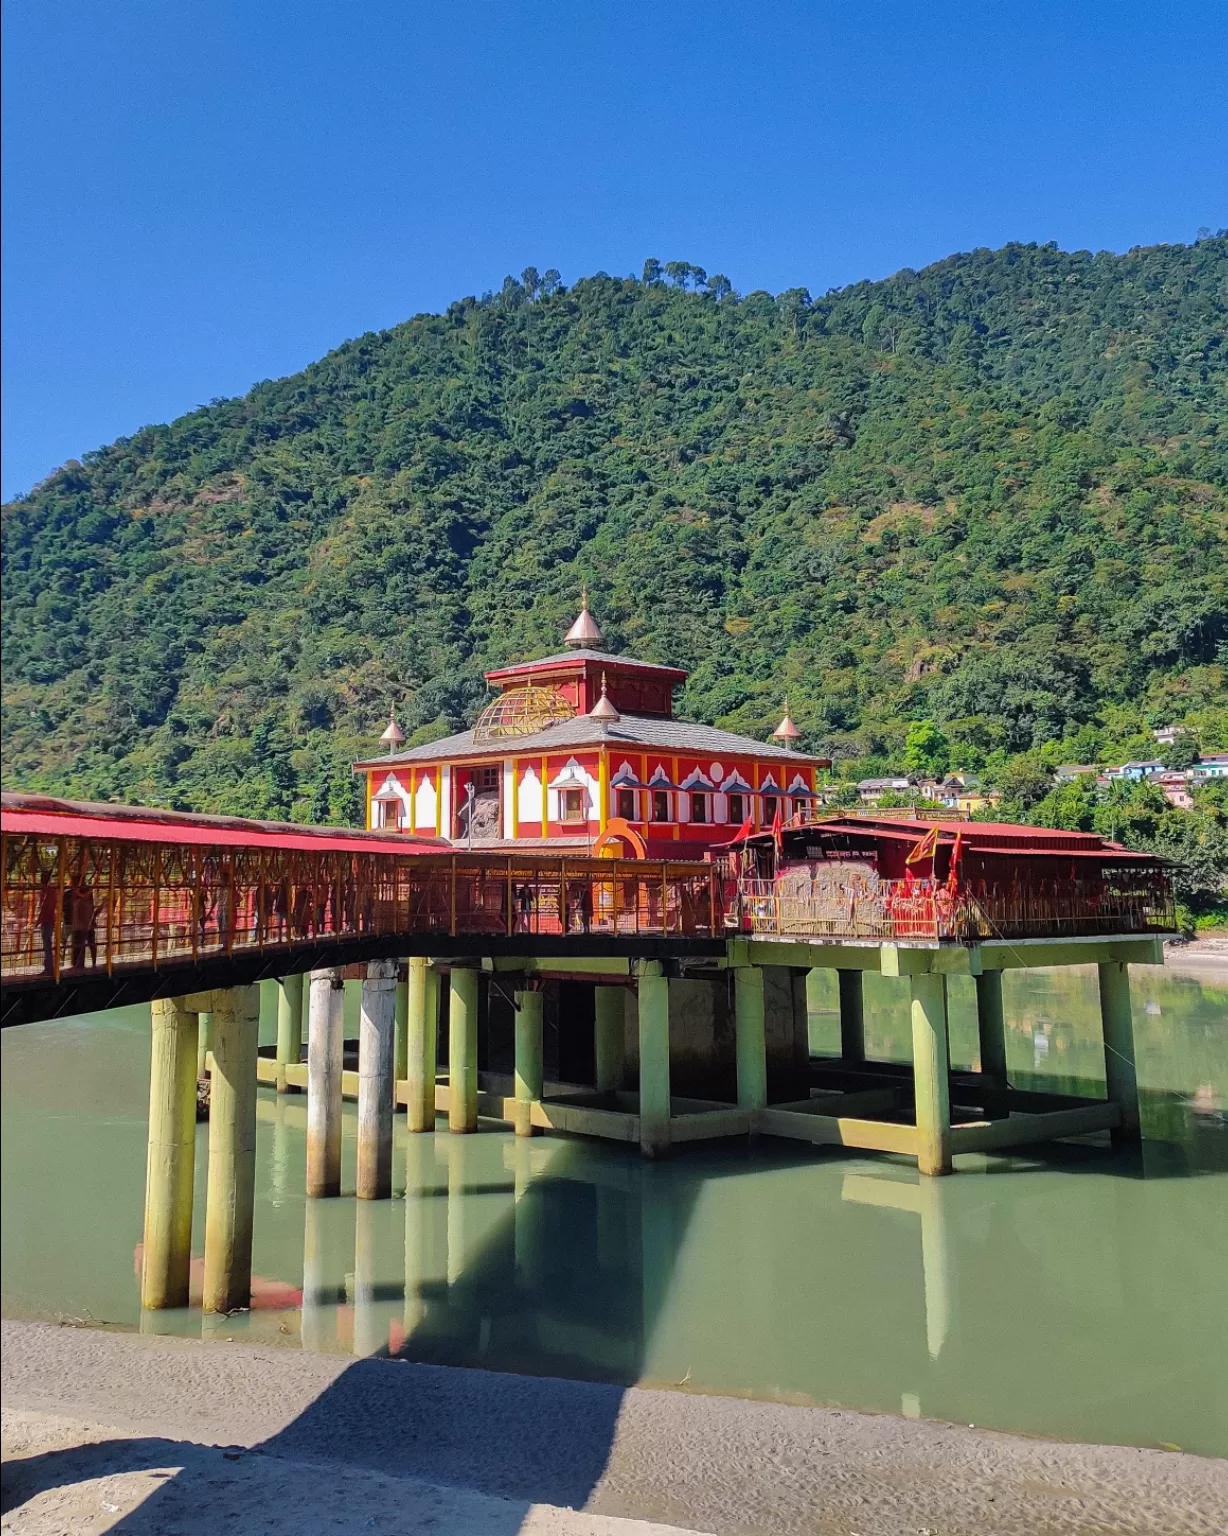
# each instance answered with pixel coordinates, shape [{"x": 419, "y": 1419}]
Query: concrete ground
[{"x": 144, "y": 1435}]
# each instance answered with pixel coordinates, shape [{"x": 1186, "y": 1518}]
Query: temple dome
[{"x": 522, "y": 712}]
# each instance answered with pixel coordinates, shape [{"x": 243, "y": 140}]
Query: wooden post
[
  {"x": 1117, "y": 1022},
  {"x": 930, "y": 1062},
  {"x": 422, "y": 1043},
  {"x": 231, "y": 1191},
  {"x": 609, "y": 1038},
  {"x": 171, "y": 1161},
  {"x": 852, "y": 1017},
  {"x": 991, "y": 1027},
  {"x": 375, "y": 1090},
  {"x": 463, "y": 1050},
  {"x": 529, "y": 1064},
  {"x": 654, "y": 1059},
  {"x": 750, "y": 1036},
  {"x": 289, "y": 1026},
  {"x": 324, "y": 1061}
]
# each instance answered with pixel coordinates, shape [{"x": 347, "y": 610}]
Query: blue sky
[{"x": 198, "y": 195}]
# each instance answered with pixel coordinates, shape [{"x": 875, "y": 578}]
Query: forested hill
[{"x": 991, "y": 493}]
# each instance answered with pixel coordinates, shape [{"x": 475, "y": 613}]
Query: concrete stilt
[
  {"x": 324, "y": 1061},
  {"x": 170, "y": 1170},
  {"x": 930, "y": 1057},
  {"x": 376, "y": 1041},
  {"x": 654, "y": 1059},
  {"x": 289, "y": 1026},
  {"x": 422, "y": 991},
  {"x": 750, "y": 1036},
  {"x": 204, "y": 1040},
  {"x": 1117, "y": 1022},
  {"x": 529, "y": 1062},
  {"x": 231, "y": 1192},
  {"x": 852, "y": 1016},
  {"x": 991, "y": 1027},
  {"x": 463, "y": 1050},
  {"x": 400, "y": 1049},
  {"x": 609, "y": 1038}
]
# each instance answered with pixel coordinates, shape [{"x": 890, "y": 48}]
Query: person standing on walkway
[
  {"x": 48, "y": 903},
  {"x": 83, "y": 921}
]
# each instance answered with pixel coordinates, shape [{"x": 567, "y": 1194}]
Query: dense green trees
[{"x": 988, "y": 496}]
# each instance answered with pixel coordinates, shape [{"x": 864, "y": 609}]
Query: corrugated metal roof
[{"x": 628, "y": 734}]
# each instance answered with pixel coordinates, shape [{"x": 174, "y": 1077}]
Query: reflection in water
[{"x": 1075, "y": 1292}]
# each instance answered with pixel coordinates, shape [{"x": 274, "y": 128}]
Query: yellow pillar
[
  {"x": 991, "y": 1027},
  {"x": 463, "y": 1050},
  {"x": 750, "y": 1036},
  {"x": 529, "y": 1073},
  {"x": 231, "y": 1191},
  {"x": 170, "y": 1170},
  {"x": 931, "y": 1084},
  {"x": 610, "y": 1038},
  {"x": 654, "y": 1059},
  {"x": 289, "y": 1026},
  {"x": 400, "y": 1048},
  {"x": 204, "y": 1040},
  {"x": 852, "y": 1017},
  {"x": 422, "y": 1044},
  {"x": 1118, "y": 1024}
]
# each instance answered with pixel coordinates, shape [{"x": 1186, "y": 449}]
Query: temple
[{"x": 581, "y": 750}]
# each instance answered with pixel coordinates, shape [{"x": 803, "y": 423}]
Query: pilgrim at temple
[{"x": 581, "y": 751}]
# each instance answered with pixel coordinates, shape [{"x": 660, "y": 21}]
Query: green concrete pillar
[
  {"x": 231, "y": 1191},
  {"x": 463, "y": 1050},
  {"x": 422, "y": 996},
  {"x": 852, "y": 1016},
  {"x": 991, "y": 1027},
  {"x": 654, "y": 1059},
  {"x": 931, "y": 1085},
  {"x": 750, "y": 1036},
  {"x": 400, "y": 1047},
  {"x": 289, "y": 1026},
  {"x": 325, "y": 1046},
  {"x": 529, "y": 1065},
  {"x": 1117, "y": 1022},
  {"x": 171, "y": 1162},
  {"x": 204, "y": 1041},
  {"x": 376, "y": 1021},
  {"x": 609, "y": 1038}
]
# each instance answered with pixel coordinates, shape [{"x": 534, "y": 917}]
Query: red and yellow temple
[{"x": 582, "y": 750}]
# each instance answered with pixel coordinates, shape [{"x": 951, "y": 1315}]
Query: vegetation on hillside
[{"x": 989, "y": 496}]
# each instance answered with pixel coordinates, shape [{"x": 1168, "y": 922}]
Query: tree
[
  {"x": 652, "y": 271},
  {"x": 926, "y": 750},
  {"x": 1181, "y": 753}
]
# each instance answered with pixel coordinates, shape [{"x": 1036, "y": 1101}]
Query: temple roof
[
  {"x": 627, "y": 733},
  {"x": 581, "y": 654}
]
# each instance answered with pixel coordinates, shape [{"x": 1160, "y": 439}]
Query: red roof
[{"x": 45, "y": 816}]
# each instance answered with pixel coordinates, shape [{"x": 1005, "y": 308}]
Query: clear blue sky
[{"x": 198, "y": 195}]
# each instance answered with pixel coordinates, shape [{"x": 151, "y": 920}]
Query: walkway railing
[
  {"x": 1126, "y": 900},
  {"x": 75, "y": 905}
]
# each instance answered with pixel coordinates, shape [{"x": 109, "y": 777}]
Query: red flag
[
  {"x": 744, "y": 831},
  {"x": 777, "y": 828}
]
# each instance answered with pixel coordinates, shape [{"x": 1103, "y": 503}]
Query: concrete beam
[
  {"x": 804, "y": 954},
  {"x": 1017, "y": 954}
]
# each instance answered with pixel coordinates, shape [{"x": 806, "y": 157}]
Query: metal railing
[
  {"x": 79, "y": 904},
  {"x": 1120, "y": 901}
]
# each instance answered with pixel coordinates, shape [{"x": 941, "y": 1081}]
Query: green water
[{"x": 1074, "y": 1292}]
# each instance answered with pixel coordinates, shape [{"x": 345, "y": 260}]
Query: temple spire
[
  {"x": 585, "y": 631},
  {"x": 604, "y": 709},
  {"x": 786, "y": 732},
  {"x": 393, "y": 736}
]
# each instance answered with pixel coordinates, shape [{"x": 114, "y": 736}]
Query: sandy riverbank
[
  {"x": 144, "y": 1435},
  {"x": 1205, "y": 958}
]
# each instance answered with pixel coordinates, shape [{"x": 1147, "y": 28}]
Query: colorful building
[{"x": 582, "y": 750}]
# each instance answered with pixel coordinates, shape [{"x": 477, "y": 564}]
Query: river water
[{"x": 1072, "y": 1292}]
